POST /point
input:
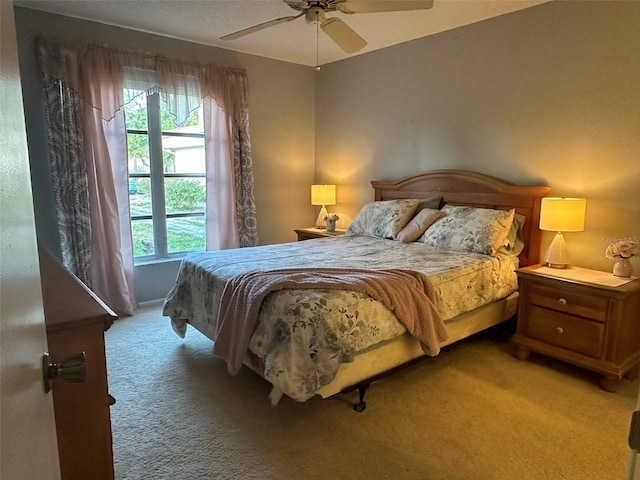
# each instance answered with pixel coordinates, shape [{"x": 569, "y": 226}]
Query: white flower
[
  {"x": 624, "y": 249},
  {"x": 331, "y": 216}
]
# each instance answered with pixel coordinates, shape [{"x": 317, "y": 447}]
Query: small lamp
[
  {"x": 322, "y": 195},
  {"x": 560, "y": 214}
]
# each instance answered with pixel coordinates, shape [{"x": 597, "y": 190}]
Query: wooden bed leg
[
  {"x": 609, "y": 383},
  {"x": 361, "y": 405},
  {"x": 521, "y": 353},
  {"x": 633, "y": 373}
]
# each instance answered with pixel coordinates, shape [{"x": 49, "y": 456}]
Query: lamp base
[
  {"x": 320, "y": 225},
  {"x": 557, "y": 265},
  {"x": 557, "y": 255}
]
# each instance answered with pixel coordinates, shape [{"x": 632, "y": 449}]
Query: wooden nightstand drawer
[
  {"x": 581, "y": 316},
  {"x": 573, "y": 333},
  {"x": 573, "y": 303}
]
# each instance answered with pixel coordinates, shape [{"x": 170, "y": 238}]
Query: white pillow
[{"x": 469, "y": 229}]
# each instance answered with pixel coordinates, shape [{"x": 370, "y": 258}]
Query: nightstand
[
  {"x": 309, "y": 233},
  {"x": 588, "y": 318}
]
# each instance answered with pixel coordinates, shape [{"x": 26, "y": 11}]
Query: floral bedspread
[{"x": 304, "y": 335}]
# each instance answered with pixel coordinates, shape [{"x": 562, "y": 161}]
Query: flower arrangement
[
  {"x": 622, "y": 249},
  {"x": 331, "y": 216}
]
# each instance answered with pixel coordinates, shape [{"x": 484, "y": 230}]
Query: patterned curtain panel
[
  {"x": 86, "y": 87},
  {"x": 68, "y": 176},
  {"x": 243, "y": 173}
]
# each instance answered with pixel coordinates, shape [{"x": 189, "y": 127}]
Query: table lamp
[
  {"x": 322, "y": 195},
  {"x": 561, "y": 214}
]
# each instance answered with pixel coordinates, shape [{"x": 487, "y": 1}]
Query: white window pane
[
  {"x": 170, "y": 124},
  {"x": 184, "y": 195},
  {"x": 181, "y": 157},
  {"x": 142, "y": 234},
  {"x": 135, "y": 113},
  {"x": 183, "y": 154},
  {"x": 139, "y": 196},
  {"x": 138, "y": 153},
  {"x": 185, "y": 234}
]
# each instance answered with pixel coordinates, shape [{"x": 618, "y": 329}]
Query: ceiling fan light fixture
[{"x": 314, "y": 15}]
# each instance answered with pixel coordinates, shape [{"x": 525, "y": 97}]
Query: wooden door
[{"x": 28, "y": 437}]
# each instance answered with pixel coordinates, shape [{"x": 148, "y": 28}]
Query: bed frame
[{"x": 456, "y": 187}]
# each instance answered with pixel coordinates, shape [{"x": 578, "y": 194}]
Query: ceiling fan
[{"x": 346, "y": 38}]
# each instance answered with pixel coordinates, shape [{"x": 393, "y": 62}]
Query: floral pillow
[
  {"x": 383, "y": 219},
  {"x": 480, "y": 230},
  {"x": 419, "y": 224}
]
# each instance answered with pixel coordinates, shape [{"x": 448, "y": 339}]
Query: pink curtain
[
  {"x": 101, "y": 81},
  {"x": 221, "y": 196},
  {"x": 225, "y": 93},
  {"x": 100, "y": 75},
  {"x": 112, "y": 249}
]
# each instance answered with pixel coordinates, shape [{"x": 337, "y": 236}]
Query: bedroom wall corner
[{"x": 548, "y": 95}]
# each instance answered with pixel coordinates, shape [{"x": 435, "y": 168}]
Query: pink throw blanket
[{"x": 406, "y": 293}]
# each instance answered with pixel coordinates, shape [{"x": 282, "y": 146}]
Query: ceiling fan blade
[
  {"x": 260, "y": 26},
  {"x": 343, "y": 35},
  {"x": 373, "y": 6}
]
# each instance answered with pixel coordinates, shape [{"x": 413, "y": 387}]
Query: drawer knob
[
  {"x": 562, "y": 301},
  {"x": 559, "y": 330}
]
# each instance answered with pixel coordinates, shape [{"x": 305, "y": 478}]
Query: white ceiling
[{"x": 205, "y": 21}]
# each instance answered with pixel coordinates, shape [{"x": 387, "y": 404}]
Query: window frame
[{"x": 157, "y": 177}]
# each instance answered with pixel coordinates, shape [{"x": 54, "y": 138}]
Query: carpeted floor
[{"x": 472, "y": 413}]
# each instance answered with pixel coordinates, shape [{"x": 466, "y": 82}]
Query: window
[{"x": 166, "y": 180}]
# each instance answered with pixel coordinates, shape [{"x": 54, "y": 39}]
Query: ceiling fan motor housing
[
  {"x": 304, "y": 5},
  {"x": 314, "y": 15}
]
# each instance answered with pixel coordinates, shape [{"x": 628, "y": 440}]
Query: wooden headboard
[{"x": 460, "y": 187}]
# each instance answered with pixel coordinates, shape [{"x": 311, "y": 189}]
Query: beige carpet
[{"x": 472, "y": 413}]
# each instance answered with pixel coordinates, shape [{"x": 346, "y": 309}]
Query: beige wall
[{"x": 547, "y": 95}]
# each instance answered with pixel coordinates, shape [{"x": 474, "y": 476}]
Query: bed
[{"x": 429, "y": 262}]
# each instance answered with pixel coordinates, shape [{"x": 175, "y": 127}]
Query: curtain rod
[
  {"x": 155, "y": 56},
  {"x": 145, "y": 55}
]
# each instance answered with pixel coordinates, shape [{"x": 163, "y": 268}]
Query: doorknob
[{"x": 71, "y": 369}]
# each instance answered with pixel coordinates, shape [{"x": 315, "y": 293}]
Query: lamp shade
[
  {"x": 561, "y": 214},
  {"x": 323, "y": 194}
]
